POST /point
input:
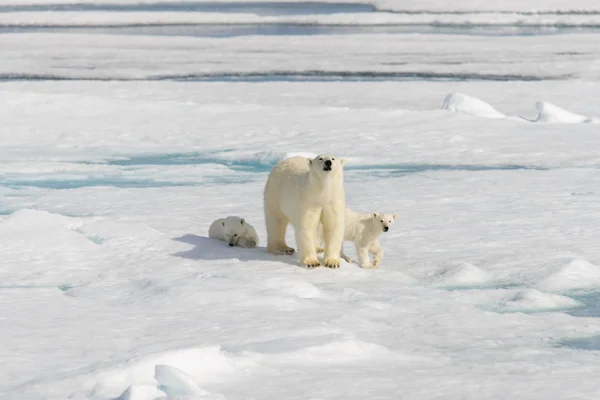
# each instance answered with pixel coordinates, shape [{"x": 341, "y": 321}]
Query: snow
[
  {"x": 532, "y": 300},
  {"x": 484, "y": 146},
  {"x": 271, "y": 58},
  {"x": 459, "y": 102},
  {"x": 463, "y": 275},
  {"x": 577, "y": 274},
  {"x": 554, "y": 114}
]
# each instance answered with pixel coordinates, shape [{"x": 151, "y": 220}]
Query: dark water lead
[
  {"x": 251, "y": 7},
  {"x": 297, "y": 76}
]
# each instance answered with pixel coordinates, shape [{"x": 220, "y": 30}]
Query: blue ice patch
[
  {"x": 591, "y": 307},
  {"x": 586, "y": 343}
]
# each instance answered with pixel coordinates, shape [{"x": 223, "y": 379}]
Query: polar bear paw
[
  {"x": 311, "y": 262},
  {"x": 287, "y": 250},
  {"x": 247, "y": 243},
  {"x": 281, "y": 250},
  {"x": 332, "y": 263},
  {"x": 368, "y": 266}
]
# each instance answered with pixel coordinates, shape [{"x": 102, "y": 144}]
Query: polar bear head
[
  {"x": 324, "y": 165},
  {"x": 384, "y": 221},
  {"x": 233, "y": 229}
]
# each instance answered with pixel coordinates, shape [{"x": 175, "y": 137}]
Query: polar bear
[
  {"x": 234, "y": 231},
  {"x": 306, "y": 192},
  {"x": 364, "y": 230}
]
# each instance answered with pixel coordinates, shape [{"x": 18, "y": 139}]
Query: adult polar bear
[{"x": 306, "y": 192}]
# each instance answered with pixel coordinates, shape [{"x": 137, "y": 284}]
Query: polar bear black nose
[
  {"x": 231, "y": 244},
  {"x": 385, "y": 228},
  {"x": 328, "y": 163}
]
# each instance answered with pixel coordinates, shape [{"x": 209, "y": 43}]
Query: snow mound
[
  {"x": 178, "y": 372},
  {"x": 462, "y": 103},
  {"x": 175, "y": 382},
  {"x": 141, "y": 392},
  {"x": 42, "y": 240},
  {"x": 578, "y": 274},
  {"x": 532, "y": 300},
  {"x": 551, "y": 113},
  {"x": 463, "y": 275}
]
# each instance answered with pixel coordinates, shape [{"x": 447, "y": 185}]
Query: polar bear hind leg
[
  {"x": 345, "y": 257},
  {"x": 276, "y": 228}
]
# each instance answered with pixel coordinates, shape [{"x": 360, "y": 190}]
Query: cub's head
[
  {"x": 233, "y": 227},
  {"x": 326, "y": 164},
  {"x": 384, "y": 221}
]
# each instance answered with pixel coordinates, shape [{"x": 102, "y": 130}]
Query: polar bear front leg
[
  {"x": 333, "y": 233},
  {"x": 377, "y": 251},
  {"x": 247, "y": 243},
  {"x": 362, "y": 252},
  {"x": 306, "y": 235}
]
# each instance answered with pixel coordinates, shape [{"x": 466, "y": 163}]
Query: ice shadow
[{"x": 206, "y": 248}]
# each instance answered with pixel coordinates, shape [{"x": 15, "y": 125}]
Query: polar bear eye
[
  {"x": 332, "y": 158},
  {"x": 235, "y": 235},
  {"x": 321, "y": 159},
  {"x": 381, "y": 220}
]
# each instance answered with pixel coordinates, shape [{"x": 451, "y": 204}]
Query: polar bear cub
[
  {"x": 364, "y": 230},
  {"x": 234, "y": 231},
  {"x": 306, "y": 192}
]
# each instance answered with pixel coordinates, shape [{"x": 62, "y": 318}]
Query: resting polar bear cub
[
  {"x": 306, "y": 193},
  {"x": 364, "y": 230},
  {"x": 234, "y": 231}
]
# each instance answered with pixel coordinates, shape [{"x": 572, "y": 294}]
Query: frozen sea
[{"x": 127, "y": 127}]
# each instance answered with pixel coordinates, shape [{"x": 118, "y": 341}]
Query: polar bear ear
[
  {"x": 374, "y": 215},
  {"x": 394, "y": 216},
  {"x": 223, "y": 223},
  {"x": 342, "y": 161},
  {"x": 242, "y": 221},
  {"x": 309, "y": 160}
]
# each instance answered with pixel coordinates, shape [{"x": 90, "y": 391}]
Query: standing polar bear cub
[
  {"x": 234, "y": 231},
  {"x": 306, "y": 192},
  {"x": 364, "y": 230}
]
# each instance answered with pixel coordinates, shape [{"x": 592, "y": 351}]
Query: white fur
[
  {"x": 300, "y": 191},
  {"x": 234, "y": 231},
  {"x": 364, "y": 230}
]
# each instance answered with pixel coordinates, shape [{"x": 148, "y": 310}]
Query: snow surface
[
  {"x": 111, "y": 176},
  {"x": 275, "y": 58}
]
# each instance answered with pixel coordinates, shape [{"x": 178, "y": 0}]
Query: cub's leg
[{"x": 377, "y": 251}]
